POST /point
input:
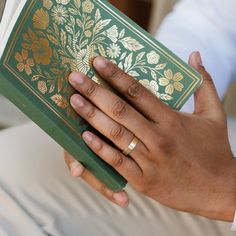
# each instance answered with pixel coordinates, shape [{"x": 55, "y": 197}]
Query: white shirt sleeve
[
  {"x": 234, "y": 223},
  {"x": 207, "y": 26}
]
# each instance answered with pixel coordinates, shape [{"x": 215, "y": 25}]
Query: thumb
[{"x": 207, "y": 102}]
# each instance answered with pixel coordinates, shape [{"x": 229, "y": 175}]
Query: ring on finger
[{"x": 127, "y": 151}]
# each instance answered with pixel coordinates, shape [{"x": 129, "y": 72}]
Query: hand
[
  {"x": 77, "y": 170},
  {"x": 182, "y": 161}
]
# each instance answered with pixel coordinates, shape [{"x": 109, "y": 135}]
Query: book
[{"x": 47, "y": 39}]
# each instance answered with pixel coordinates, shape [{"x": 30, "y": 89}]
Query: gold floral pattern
[
  {"x": 41, "y": 19},
  {"x": 113, "y": 33},
  {"x": 151, "y": 86},
  {"x": 60, "y": 101},
  {"x": 66, "y": 34},
  {"x": 153, "y": 57},
  {"x": 83, "y": 59},
  {"x": 41, "y": 51},
  {"x": 88, "y": 6},
  {"x": 47, "y": 4},
  {"x": 88, "y": 33},
  {"x": 24, "y": 63},
  {"x": 113, "y": 51},
  {"x": 63, "y": 2},
  {"x": 171, "y": 82},
  {"x": 59, "y": 14}
]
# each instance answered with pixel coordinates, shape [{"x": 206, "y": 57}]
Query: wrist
[
  {"x": 228, "y": 206},
  {"x": 221, "y": 202}
]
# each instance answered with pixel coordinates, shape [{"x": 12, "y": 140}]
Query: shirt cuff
[{"x": 234, "y": 223}]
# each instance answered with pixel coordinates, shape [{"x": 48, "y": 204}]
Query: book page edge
[{"x": 5, "y": 36}]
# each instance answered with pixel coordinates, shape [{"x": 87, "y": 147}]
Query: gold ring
[{"x": 131, "y": 146}]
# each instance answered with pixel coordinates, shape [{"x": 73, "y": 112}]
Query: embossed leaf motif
[
  {"x": 131, "y": 44},
  {"x": 60, "y": 84},
  {"x": 100, "y": 25},
  {"x": 35, "y": 77},
  {"x": 128, "y": 62},
  {"x": 53, "y": 39},
  {"x": 97, "y": 15},
  {"x": 63, "y": 38},
  {"x": 42, "y": 87},
  {"x": 60, "y": 101}
]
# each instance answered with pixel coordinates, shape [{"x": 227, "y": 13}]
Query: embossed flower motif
[
  {"x": 172, "y": 82},
  {"x": 25, "y": 63},
  {"x": 88, "y": 6},
  {"x": 113, "y": 34},
  {"x": 153, "y": 57},
  {"x": 42, "y": 87},
  {"x": 41, "y": 51},
  {"x": 150, "y": 85},
  {"x": 88, "y": 33},
  {"x": 83, "y": 59},
  {"x": 47, "y": 4},
  {"x": 41, "y": 19},
  {"x": 113, "y": 51},
  {"x": 59, "y": 14}
]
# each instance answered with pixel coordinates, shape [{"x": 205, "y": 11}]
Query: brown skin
[{"x": 183, "y": 161}]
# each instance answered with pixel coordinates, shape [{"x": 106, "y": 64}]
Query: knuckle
[
  {"x": 135, "y": 90},
  {"x": 102, "y": 189},
  {"x": 91, "y": 89},
  {"x": 117, "y": 132},
  {"x": 119, "y": 108},
  {"x": 91, "y": 113},
  {"x": 114, "y": 72},
  {"x": 118, "y": 160},
  {"x": 206, "y": 76},
  {"x": 98, "y": 146}
]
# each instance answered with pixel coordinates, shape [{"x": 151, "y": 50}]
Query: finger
[
  {"x": 124, "y": 165},
  {"x": 120, "y": 198},
  {"x": 207, "y": 102},
  {"x": 74, "y": 166},
  {"x": 141, "y": 98},
  {"x": 111, "y": 105},
  {"x": 115, "y": 132}
]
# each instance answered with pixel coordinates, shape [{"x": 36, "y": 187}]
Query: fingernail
[
  {"x": 76, "y": 78},
  {"x": 120, "y": 197},
  {"x": 77, "y": 101},
  {"x": 198, "y": 58},
  {"x": 100, "y": 62},
  {"x": 76, "y": 169},
  {"x": 87, "y": 137}
]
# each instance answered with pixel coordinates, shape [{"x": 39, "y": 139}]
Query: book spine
[{"x": 61, "y": 134}]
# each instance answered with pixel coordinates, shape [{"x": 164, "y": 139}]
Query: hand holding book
[
  {"x": 47, "y": 39},
  {"x": 178, "y": 156}
]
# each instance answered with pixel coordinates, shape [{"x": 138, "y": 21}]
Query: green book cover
[{"x": 51, "y": 38}]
